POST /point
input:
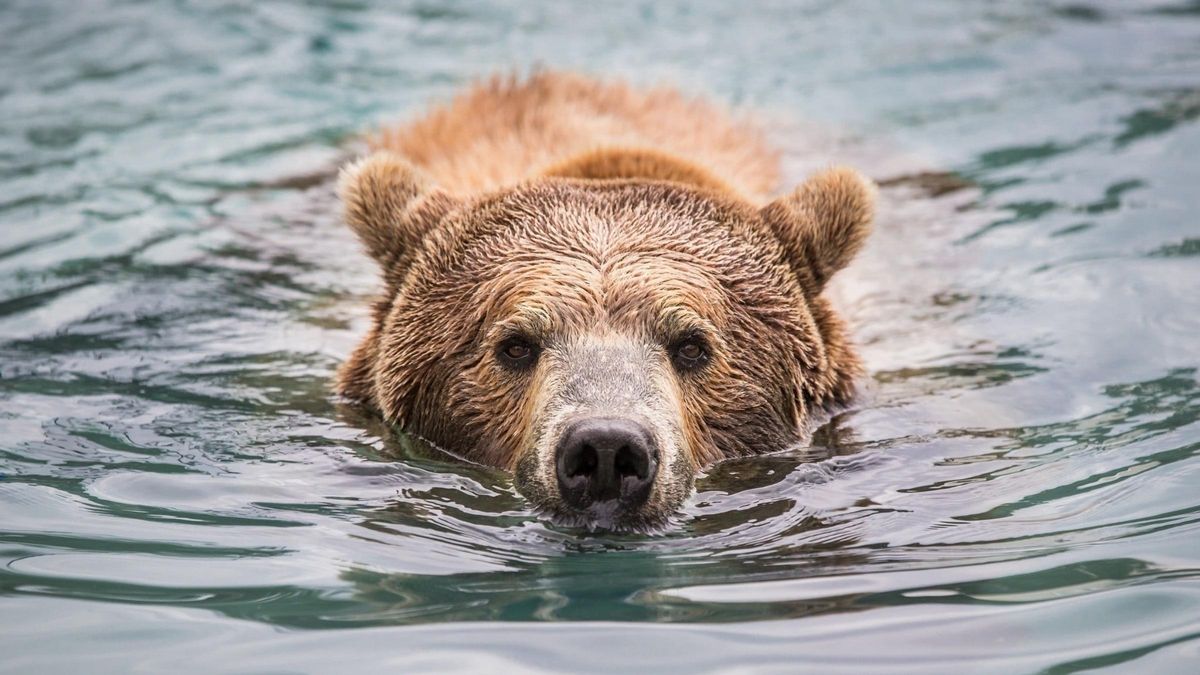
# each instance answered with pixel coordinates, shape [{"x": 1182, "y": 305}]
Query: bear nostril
[
  {"x": 605, "y": 459},
  {"x": 582, "y": 463},
  {"x": 630, "y": 463}
]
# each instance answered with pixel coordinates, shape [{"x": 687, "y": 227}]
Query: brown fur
[
  {"x": 503, "y": 131},
  {"x": 563, "y": 209}
]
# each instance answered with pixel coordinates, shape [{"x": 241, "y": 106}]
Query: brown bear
[{"x": 585, "y": 283}]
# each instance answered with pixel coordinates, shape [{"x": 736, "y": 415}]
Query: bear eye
[
  {"x": 689, "y": 353},
  {"x": 517, "y": 353}
]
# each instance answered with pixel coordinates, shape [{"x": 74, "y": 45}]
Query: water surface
[{"x": 1019, "y": 490}]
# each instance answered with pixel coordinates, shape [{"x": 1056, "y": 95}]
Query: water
[{"x": 1018, "y": 491}]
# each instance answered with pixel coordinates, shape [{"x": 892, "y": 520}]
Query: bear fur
[{"x": 600, "y": 225}]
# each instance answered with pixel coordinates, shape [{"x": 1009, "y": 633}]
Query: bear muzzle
[
  {"x": 606, "y": 459},
  {"x": 607, "y": 447}
]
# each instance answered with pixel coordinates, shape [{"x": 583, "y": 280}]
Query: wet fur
[
  {"x": 506, "y": 130},
  {"x": 584, "y": 213}
]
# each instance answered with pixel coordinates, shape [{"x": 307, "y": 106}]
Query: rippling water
[{"x": 1019, "y": 490}]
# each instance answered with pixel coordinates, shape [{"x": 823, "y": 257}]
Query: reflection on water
[{"x": 1016, "y": 492}]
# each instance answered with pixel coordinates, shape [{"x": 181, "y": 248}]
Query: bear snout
[{"x": 606, "y": 459}]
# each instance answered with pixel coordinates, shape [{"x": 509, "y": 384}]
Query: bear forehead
[
  {"x": 639, "y": 290},
  {"x": 621, "y": 252},
  {"x": 563, "y": 254},
  {"x": 610, "y": 223}
]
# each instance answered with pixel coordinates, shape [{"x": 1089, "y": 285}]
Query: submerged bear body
[{"x": 587, "y": 284}]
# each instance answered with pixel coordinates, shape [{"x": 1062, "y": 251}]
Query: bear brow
[
  {"x": 676, "y": 320},
  {"x": 526, "y": 320},
  {"x": 540, "y": 320}
]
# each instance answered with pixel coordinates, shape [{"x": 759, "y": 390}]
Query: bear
[{"x": 595, "y": 287}]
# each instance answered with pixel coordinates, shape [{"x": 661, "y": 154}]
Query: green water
[{"x": 1019, "y": 490}]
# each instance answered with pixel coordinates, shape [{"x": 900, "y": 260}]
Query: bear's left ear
[
  {"x": 822, "y": 224},
  {"x": 391, "y": 207}
]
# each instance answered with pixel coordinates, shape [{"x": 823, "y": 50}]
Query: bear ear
[
  {"x": 822, "y": 224},
  {"x": 390, "y": 206}
]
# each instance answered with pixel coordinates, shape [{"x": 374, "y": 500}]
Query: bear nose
[{"x": 606, "y": 458}]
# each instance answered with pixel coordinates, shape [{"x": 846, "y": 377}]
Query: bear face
[{"x": 604, "y": 339}]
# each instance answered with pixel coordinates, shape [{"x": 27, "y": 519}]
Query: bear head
[{"x": 603, "y": 339}]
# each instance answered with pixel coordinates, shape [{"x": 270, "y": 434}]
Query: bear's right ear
[{"x": 390, "y": 206}]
